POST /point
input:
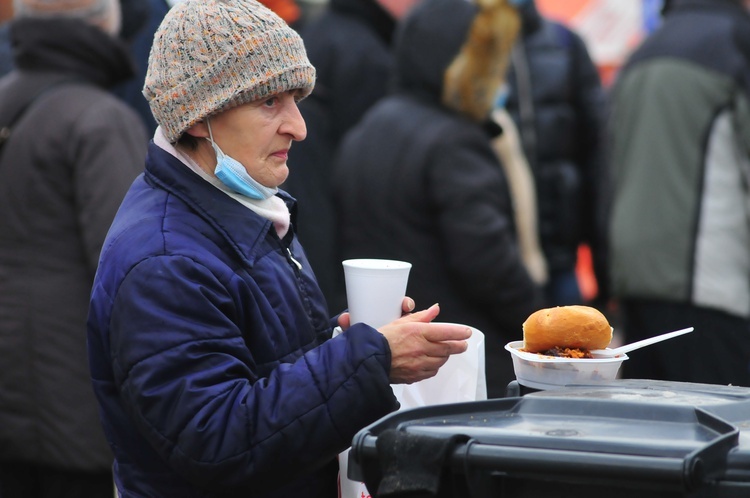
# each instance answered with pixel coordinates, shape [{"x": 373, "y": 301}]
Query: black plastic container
[{"x": 626, "y": 438}]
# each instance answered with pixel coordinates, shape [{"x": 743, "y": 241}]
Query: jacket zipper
[{"x": 291, "y": 257}]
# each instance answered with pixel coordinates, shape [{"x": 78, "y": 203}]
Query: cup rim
[{"x": 376, "y": 264}]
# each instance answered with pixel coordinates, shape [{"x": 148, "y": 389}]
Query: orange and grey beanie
[{"x": 211, "y": 55}]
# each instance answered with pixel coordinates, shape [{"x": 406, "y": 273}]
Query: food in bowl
[
  {"x": 540, "y": 371},
  {"x": 566, "y": 331},
  {"x": 556, "y": 348}
]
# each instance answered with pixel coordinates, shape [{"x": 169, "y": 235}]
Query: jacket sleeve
[
  {"x": 474, "y": 214},
  {"x": 108, "y": 149},
  {"x": 204, "y": 400}
]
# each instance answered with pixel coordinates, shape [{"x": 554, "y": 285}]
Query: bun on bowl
[{"x": 567, "y": 328}]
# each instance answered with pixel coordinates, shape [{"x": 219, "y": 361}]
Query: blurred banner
[{"x": 611, "y": 28}]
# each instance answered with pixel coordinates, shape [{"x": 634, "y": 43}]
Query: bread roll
[{"x": 580, "y": 327}]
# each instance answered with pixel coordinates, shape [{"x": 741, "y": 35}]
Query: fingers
[
  {"x": 445, "y": 349},
  {"x": 344, "y": 320},
  {"x": 419, "y": 346},
  {"x": 408, "y": 305},
  {"x": 427, "y": 315},
  {"x": 439, "y": 332}
]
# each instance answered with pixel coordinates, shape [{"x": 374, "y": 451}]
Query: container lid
[{"x": 666, "y": 435}]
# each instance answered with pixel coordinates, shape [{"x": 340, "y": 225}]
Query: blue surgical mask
[{"x": 233, "y": 174}]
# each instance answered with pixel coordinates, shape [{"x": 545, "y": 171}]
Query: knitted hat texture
[
  {"x": 211, "y": 55},
  {"x": 104, "y": 14}
]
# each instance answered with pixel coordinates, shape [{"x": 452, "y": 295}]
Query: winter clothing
[
  {"x": 6, "y": 54},
  {"x": 350, "y": 47},
  {"x": 210, "y": 341},
  {"x": 104, "y": 14},
  {"x": 200, "y": 322},
  {"x": 557, "y": 101},
  {"x": 520, "y": 179},
  {"x": 65, "y": 168},
  {"x": 140, "y": 46},
  {"x": 176, "y": 86},
  {"x": 680, "y": 227},
  {"x": 417, "y": 179}
]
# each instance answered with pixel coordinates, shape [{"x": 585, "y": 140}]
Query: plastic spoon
[{"x": 639, "y": 344}]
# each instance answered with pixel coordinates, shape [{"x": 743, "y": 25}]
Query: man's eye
[{"x": 271, "y": 101}]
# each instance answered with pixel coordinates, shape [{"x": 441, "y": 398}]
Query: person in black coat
[
  {"x": 350, "y": 46},
  {"x": 558, "y": 104},
  {"x": 66, "y": 166},
  {"x": 417, "y": 179}
]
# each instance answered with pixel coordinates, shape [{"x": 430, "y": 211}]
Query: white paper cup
[{"x": 375, "y": 289}]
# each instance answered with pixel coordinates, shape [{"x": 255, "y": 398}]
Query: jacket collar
[{"x": 242, "y": 229}]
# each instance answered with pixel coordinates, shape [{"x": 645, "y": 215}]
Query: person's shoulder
[
  {"x": 93, "y": 107},
  {"x": 79, "y": 94}
]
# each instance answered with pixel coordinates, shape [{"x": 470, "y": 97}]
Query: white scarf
[
  {"x": 508, "y": 148},
  {"x": 273, "y": 209}
]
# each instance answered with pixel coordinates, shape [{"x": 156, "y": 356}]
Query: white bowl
[{"x": 550, "y": 372}]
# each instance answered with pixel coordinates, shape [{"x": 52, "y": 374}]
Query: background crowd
[{"x": 489, "y": 174}]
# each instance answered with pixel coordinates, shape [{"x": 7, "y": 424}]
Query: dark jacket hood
[
  {"x": 456, "y": 53},
  {"x": 70, "y": 46}
]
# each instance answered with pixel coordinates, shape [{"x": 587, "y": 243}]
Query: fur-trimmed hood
[{"x": 456, "y": 52}]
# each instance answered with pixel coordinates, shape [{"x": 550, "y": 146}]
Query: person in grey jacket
[
  {"x": 680, "y": 223},
  {"x": 211, "y": 347},
  {"x": 66, "y": 166}
]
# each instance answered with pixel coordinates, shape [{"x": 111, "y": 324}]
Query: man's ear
[{"x": 198, "y": 130}]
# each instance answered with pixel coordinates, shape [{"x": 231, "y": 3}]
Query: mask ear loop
[
  {"x": 218, "y": 152},
  {"x": 210, "y": 133}
]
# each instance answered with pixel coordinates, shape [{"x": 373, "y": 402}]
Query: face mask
[{"x": 233, "y": 174}]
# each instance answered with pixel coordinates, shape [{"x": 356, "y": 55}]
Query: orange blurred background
[{"x": 611, "y": 28}]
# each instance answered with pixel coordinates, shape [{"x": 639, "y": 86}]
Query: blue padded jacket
[{"x": 211, "y": 350}]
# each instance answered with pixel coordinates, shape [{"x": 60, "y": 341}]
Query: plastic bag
[{"x": 460, "y": 380}]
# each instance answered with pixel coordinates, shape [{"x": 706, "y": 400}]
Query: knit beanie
[
  {"x": 104, "y": 14},
  {"x": 211, "y": 55}
]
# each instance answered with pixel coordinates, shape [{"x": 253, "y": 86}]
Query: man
[
  {"x": 69, "y": 159},
  {"x": 558, "y": 104},
  {"x": 680, "y": 226}
]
